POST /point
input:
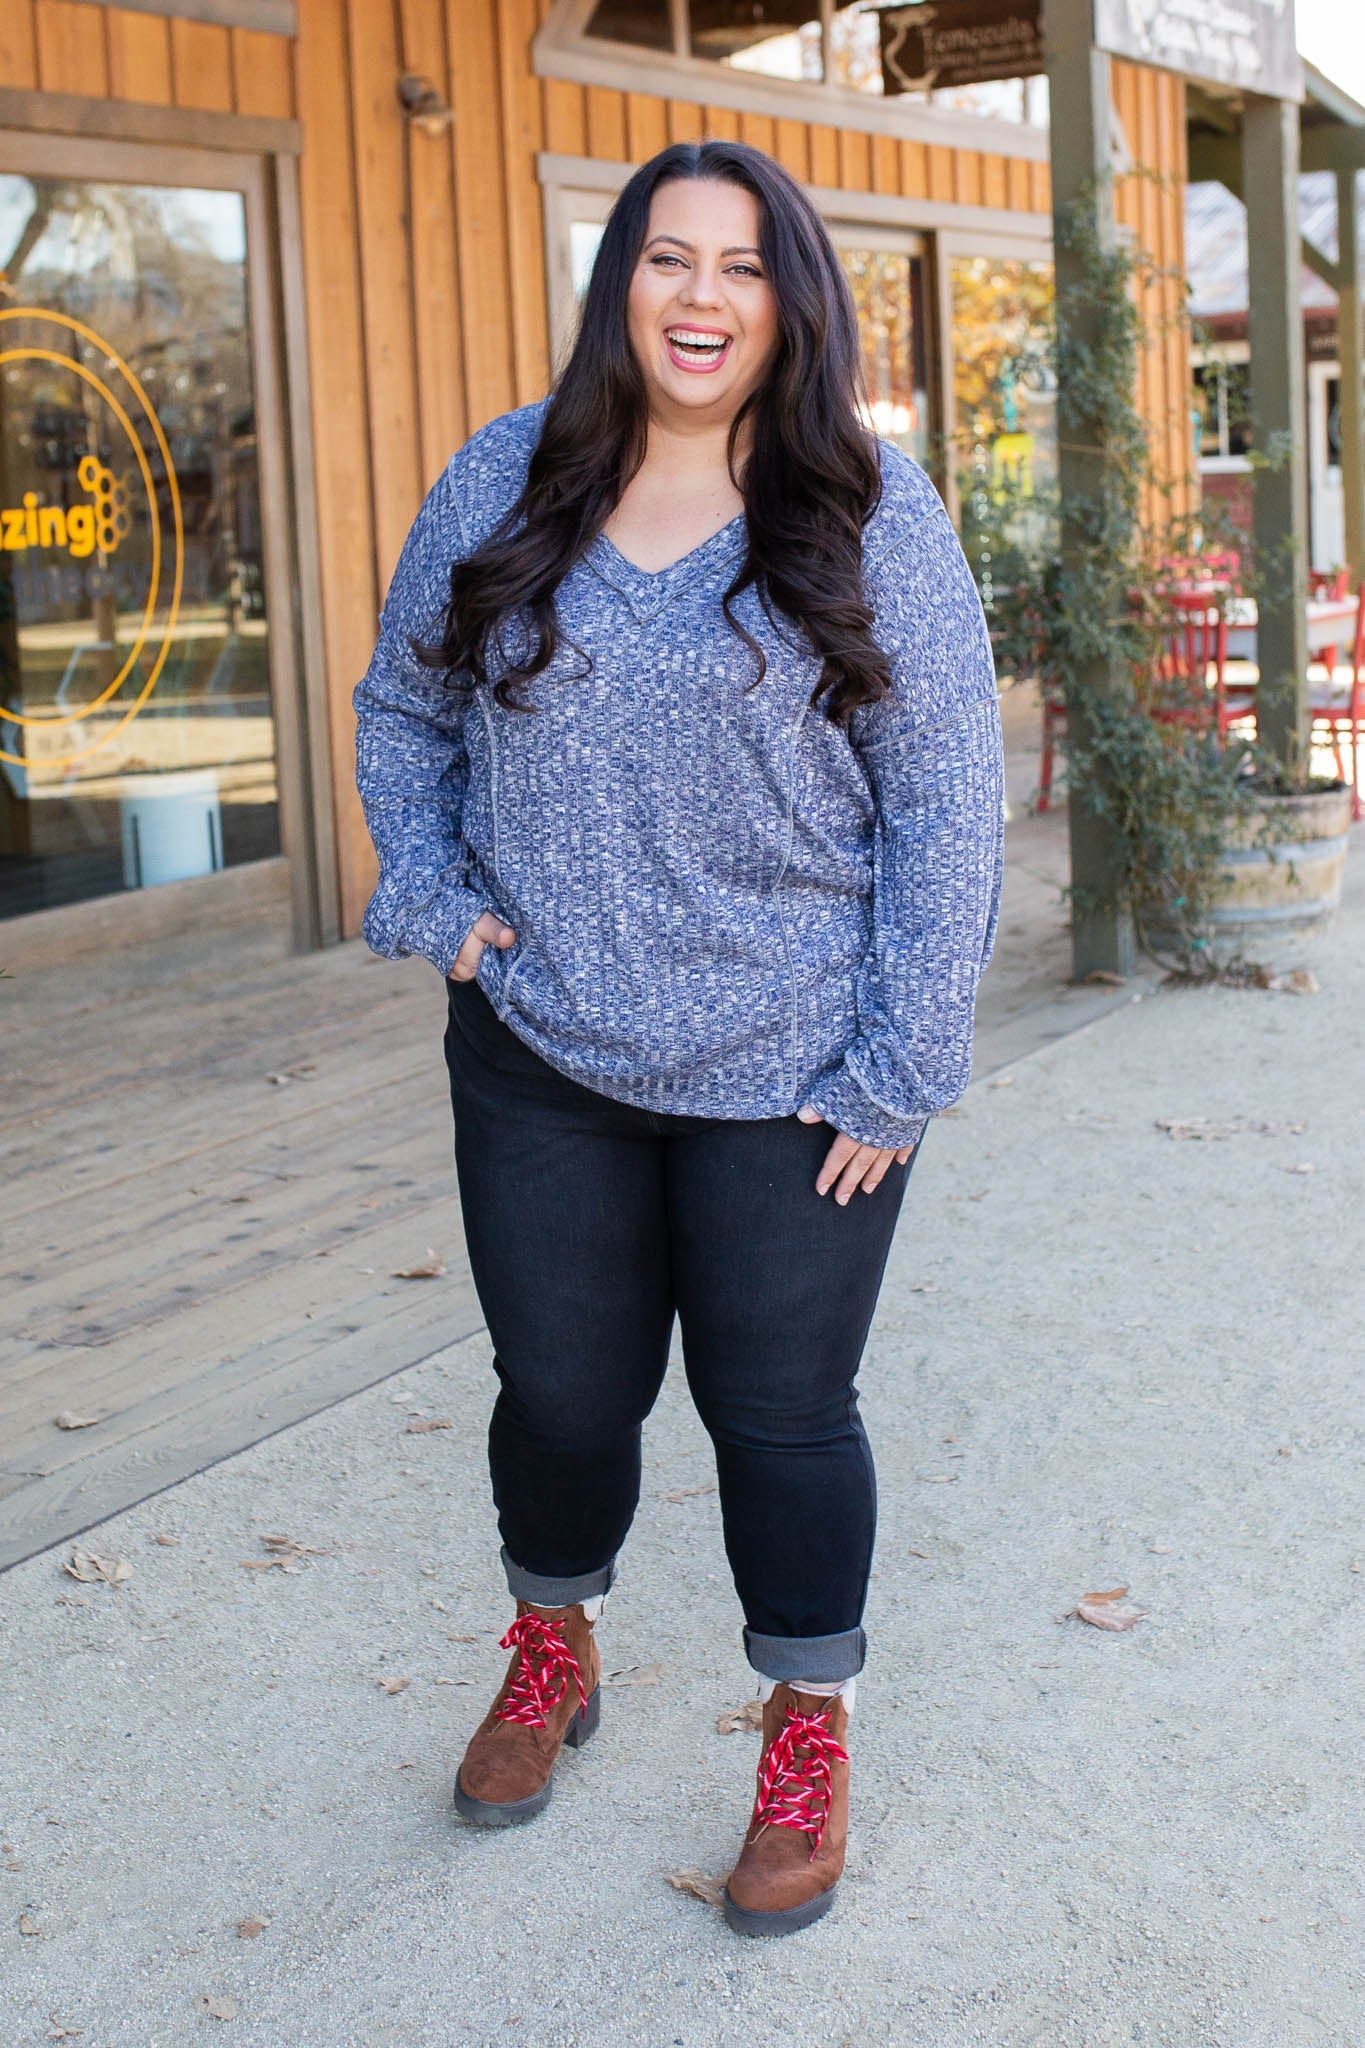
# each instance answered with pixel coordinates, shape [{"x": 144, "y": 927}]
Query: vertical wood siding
[
  {"x": 424, "y": 260},
  {"x": 120, "y": 53}
]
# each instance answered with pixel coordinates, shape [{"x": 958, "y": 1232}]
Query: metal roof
[{"x": 1215, "y": 220}]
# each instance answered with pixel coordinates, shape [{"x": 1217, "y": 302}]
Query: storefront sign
[
  {"x": 959, "y": 42},
  {"x": 1246, "y": 43}
]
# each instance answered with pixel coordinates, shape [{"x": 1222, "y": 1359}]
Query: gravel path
[{"x": 1104, "y": 1357}]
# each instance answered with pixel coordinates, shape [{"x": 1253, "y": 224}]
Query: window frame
[{"x": 560, "y": 49}]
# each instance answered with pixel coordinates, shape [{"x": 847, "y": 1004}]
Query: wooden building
[{"x": 256, "y": 290}]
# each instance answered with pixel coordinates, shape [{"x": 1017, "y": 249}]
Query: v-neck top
[{"x": 725, "y": 905}]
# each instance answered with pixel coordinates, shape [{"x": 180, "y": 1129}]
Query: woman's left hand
[{"x": 851, "y": 1164}]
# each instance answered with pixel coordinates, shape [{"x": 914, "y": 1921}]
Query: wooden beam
[
  {"x": 1321, "y": 265},
  {"x": 1332, "y": 149},
  {"x": 1270, "y": 183},
  {"x": 1351, "y": 355},
  {"x": 1102, "y": 936},
  {"x": 70, "y": 113}
]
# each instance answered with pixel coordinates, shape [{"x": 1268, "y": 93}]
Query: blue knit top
[{"x": 724, "y": 904}]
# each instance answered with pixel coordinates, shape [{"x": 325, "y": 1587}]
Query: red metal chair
[
  {"x": 1334, "y": 585},
  {"x": 1340, "y": 706},
  {"x": 1190, "y": 686},
  {"x": 1054, "y": 729}
]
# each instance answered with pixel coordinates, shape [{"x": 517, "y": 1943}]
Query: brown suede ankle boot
[
  {"x": 549, "y": 1697},
  {"x": 793, "y": 1854}
]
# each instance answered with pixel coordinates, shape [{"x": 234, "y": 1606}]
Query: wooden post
[
  {"x": 1351, "y": 356},
  {"x": 1270, "y": 186},
  {"x": 1102, "y": 937}
]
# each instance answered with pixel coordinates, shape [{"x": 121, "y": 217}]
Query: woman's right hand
[{"x": 486, "y": 930}]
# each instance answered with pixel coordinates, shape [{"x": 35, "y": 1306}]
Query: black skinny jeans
[{"x": 590, "y": 1224}]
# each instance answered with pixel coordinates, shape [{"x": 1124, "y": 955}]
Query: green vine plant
[{"x": 1090, "y": 624}]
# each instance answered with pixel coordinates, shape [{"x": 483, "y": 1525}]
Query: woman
[{"x": 681, "y": 755}]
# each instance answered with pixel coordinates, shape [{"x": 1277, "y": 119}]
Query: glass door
[{"x": 137, "y": 721}]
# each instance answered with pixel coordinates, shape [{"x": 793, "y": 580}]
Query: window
[
  {"x": 1222, "y": 404},
  {"x": 811, "y": 41}
]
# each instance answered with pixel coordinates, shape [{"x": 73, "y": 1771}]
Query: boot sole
[
  {"x": 511, "y": 1813},
  {"x": 788, "y": 1920}
]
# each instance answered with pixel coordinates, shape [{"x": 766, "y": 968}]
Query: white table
[{"x": 1331, "y": 623}]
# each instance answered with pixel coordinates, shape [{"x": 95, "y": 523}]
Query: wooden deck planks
[{"x": 192, "y": 1255}]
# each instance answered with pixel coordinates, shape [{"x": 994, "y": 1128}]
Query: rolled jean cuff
[
  {"x": 524, "y": 1585},
  {"x": 826, "y": 1659}
]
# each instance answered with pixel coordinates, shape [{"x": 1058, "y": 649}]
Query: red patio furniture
[
  {"x": 1340, "y": 707},
  {"x": 1191, "y": 686}
]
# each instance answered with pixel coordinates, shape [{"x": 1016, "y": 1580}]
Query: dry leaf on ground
[
  {"x": 68, "y": 1419},
  {"x": 750, "y": 1715},
  {"x": 167, "y": 1542},
  {"x": 393, "y": 1685},
  {"x": 424, "y": 1428},
  {"x": 57, "y": 2032},
  {"x": 678, "y": 1493},
  {"x": 634, "y": 1674},
  {"x": 1207, "y": 1128},
  {"x": 218, "y": 2008},
  {"x": 1107, "y": 1610},
  {"x": 1104, "y": 977},
  {"x": 431, "y": 1269},
  {"x": 1297, "y": 982},
  {"x": 90, "y": 1568},
  {"x": 292, "y": 1074},
  {"x": 286, "y": 1553},
  {"x": 253, "y": 1925},
  {"x": 697, "y": 1885},
  {"x": 27, "y": 1926}
]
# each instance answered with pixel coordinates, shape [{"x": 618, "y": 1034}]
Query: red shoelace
[
  {"x": 543, "y": 1674},
  {"x": 796, "y": 1781}
]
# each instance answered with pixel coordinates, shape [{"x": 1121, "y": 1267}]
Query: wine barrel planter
[{"x": 1282, "y": 868}]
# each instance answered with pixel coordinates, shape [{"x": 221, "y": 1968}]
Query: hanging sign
[
  {"x": 942, "y": 43},
  {"x": 1245, "y": 43}
]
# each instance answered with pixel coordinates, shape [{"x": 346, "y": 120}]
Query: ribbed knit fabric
[{"x": 724, "y": 905}]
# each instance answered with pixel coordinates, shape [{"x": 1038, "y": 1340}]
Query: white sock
[{"x": 845, "y": 1689}]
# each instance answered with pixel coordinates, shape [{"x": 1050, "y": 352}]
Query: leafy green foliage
[{"x": 1077, "y": 603}]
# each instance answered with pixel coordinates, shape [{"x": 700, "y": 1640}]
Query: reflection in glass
[
  {"x": 1005, "y": 395},
  {"x": 778, "y": 37},
  {"x": 888, "y": 291},
  {"x": 99, "y": 792},
  {"x": 645, "y": 23}
]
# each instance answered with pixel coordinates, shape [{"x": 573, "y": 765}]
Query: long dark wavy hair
[{"x": 811, "y": 481}]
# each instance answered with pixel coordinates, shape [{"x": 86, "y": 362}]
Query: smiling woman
[
  {"x": 681, "y": 755},
  {"x": 701, "y": 316}
]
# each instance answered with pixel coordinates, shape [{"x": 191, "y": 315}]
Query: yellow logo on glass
[{"x": 80, "y": 529}]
